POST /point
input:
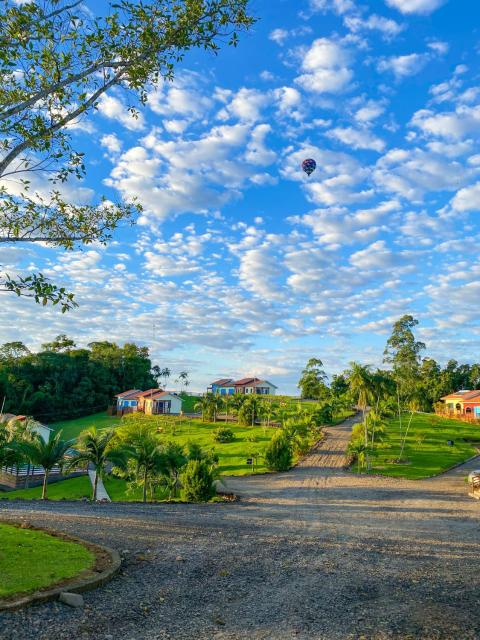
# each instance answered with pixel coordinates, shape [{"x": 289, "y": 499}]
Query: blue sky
[{"x": 243, "y": 265}]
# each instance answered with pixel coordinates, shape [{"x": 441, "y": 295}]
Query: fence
[
  {"x": 29, "y": 476},
  {"x": 462, "y": 417}
]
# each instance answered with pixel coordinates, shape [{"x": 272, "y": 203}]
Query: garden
[
  {"x": 165, "y": 457},
  {"x": 414, "y": 446}
]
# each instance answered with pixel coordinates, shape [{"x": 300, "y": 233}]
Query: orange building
[{"x": 463, "y": 403}]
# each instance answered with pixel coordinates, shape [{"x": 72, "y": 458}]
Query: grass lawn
[
  {"x": 72, "y": 489},
  {"x": 72, "y": 428},
  {"x": 426, "y": 448},
  {"x": 30, "y": 560},
  {"x": 189, "y": 402}
]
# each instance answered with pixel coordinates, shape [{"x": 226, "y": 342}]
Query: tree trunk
[
  {"x": 95, "y": 485},
  {"x": 145, "y": 484},
  {"x": 45, "y": 483}
]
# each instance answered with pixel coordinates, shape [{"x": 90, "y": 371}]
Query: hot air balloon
[{"x": 309, "y": 165}]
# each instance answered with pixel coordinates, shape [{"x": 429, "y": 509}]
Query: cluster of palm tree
[
  {"x": 377, "y": 397},
  {"x": 134, "y": 452},
  {"x": 251, "y": 409}
]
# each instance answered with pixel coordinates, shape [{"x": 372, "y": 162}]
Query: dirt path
[{"x": 316, "y": 553}]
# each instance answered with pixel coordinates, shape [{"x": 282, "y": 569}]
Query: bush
[
  {"x": 222, "y": 434},
  {"x": 278, "y": 456},
  {"x": 197, "y": 482},
  {"x": 246, "y": 414}
]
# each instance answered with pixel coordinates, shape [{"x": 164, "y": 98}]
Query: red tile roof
[
  {"x": 148, "y": 393},
  {"x": 223, "y": 382},
  {"x": 130, "y": 392},
  {"x": 245, "y": 381},
  {"x": 463, "y": 394}
]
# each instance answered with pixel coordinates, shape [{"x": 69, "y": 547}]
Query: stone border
[{"x": 77, "y": 584}]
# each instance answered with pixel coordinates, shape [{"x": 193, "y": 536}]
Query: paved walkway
[{"x": 101, "y": 491}]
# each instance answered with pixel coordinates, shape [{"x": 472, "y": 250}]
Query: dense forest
[{"x": 62, "y": 381}]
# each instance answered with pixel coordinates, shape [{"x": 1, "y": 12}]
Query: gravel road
[{"x": 315, "y": 553}]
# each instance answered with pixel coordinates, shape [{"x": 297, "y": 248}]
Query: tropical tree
[
  {"x": 174, "y": 460},
  {"x": 313, "y": 381},
  {"x": 94, "y": 447},
  {"x": 248, "y": 412},
  {"x": 165, "y": 374},
  {"x": 206, "y": 406},
  {"x": 361, "y": 388},
  {"x": 403, "y": 351},
  {"x": 145, "y": 459},
  {"x": 46, "y": 454},
  {"x": 57, "y": 60},
  {"x": 358, "y": 449}
]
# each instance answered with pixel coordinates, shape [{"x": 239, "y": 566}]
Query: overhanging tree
[{"x": 56, "y": 62}]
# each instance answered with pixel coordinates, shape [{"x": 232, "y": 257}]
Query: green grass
[
  {"x": 426, "y": 450},
  {"x": 30, "y": 560},
  {"x": 72, "y": 489},
  {"x": 189, "y": 402},
  {"x": 72, "y": 428}
]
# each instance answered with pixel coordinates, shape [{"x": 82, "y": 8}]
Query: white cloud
[
  {"x": 260, "y": 273},
  {"x": 357, "y": 138},
  {"x": 404, "y": 66},
  {"x": 183, "y": 99},
  {"x": 337, "y": 226},
  {"x": 370, "y": 111},
  {"x": 416, "y": 6},
  {"x": 376, "y": 256},
  {"x": 467, "y": 199},
  {"x": 338, "y": 6},
  {"x": 413, "y": 173},
  {"x": 257, "y": 152},
  {"x": 325, "y": 67},
  {"x": 111, "y": 142},
  {"x": 389, "y": 28},
  {"x": 279, "y": 36},
  {"x": 114, "y": 109},
  {"x": 451, "y": 125},
  {"x": 246, "y": 105},
  {"x": 337, "y": 179},
  {"x": 194, "y": 175}
]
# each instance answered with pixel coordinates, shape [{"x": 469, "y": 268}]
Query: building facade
[
  {"x": 463, "y": 403},
  {"x": 228, "y": 386}
]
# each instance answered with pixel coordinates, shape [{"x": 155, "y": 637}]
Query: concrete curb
[{"x": 77, "y": 585}]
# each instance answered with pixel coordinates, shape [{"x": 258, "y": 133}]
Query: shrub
[
  {"x": 246, "y": 414},
  {"x": 278, "y": 455},
  {"x": 197, "y": 482},
  {"x": 222, "y": 434}
]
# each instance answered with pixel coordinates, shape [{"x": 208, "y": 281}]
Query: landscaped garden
[
  {"x": 143, "y": 457},
  {"x": 431, "y": 444},
  {"x": 31, "y": 560}
]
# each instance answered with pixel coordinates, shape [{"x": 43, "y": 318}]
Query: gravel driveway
[{"x": 311, "y": 554}]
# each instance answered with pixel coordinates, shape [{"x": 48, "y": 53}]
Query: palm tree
[
  {"x": 359, "y": 449},
  {"x": 361, "y": 387},
  {"x": 183, "y": 379},
  {"x": 174, "y": 459},
  {"x": 46, "y": 454},
  {"x": 95, "y": 448},
  {"x": 237, "y": 401},
  {"x": 165, "y": 374},
  {"x": 216, "y": 403},
  {"x": 204, "y": 405},
  {"x": 145, "y": 451}
]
